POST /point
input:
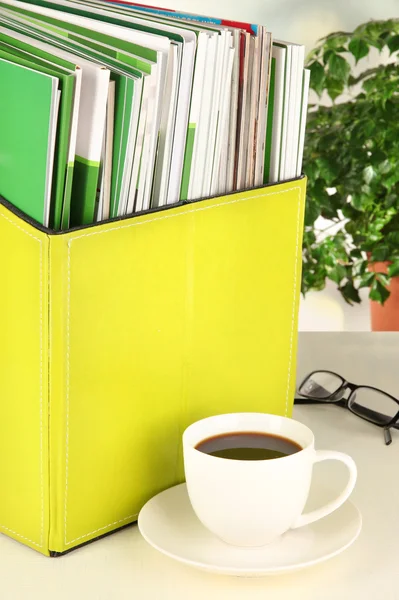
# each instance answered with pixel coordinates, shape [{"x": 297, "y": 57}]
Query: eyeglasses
[{"x": 369, "y": 403}]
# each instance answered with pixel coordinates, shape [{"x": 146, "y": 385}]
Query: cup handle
[{"x": 319, "y": 513}]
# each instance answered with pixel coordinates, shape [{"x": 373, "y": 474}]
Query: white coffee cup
[{"x": 252, "y": 503}]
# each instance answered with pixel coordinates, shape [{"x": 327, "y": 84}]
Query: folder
[
  {"x": 68, "y": 75},
  {"x": 28, "y": 132},
  {"x": 117, "y": 336}
]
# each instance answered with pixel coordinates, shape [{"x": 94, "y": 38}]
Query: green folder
[
  {"x": 126, "y": 61},
  {"x": 92, "y": 109},
  {"x": 28, "y": 120},
  {"x": 124, "y": 77},
  {"x": 90, "y": 12},
  {"x": 24, "y": 54},
  {"x": 126, "y": 70}
]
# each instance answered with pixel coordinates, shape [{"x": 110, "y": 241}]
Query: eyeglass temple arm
[
  {"x": 387, "y": 433},
  {"x": 319, "y": 401},
  {"x": 387, "y": 436}
]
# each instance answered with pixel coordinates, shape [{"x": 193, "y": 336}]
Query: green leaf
[
  {"x": 393, "y": 44},
  {"x": 327, "y": 55},
  {"x": 350, "y": 293},
  {"x": 360, "y": 29},
  {"x": 391, "y": 200},
  {"x": 312, "y": 55},
  {"x": 377, "y": 156},
  {"x": 360, "y": 202},
  {"x": 368, "y": 174},
  {"x": 366, "y": 189},
  {"x": 317, "y": 77},
  {"x": 334, "y": 87},
  {"x": 384, "y": 36},
  {"x": 369, "y": 85},
  {"x": 378, "y": 292},
  {"x": 311, "y": 170},
  {"x": 309, "y": 237},
  {"x": 393, "y": 238},
  {"x": 367, "y": 280},
  {"x": 328, "y": 171},
  {"x": 338, "y": 67},
  {"x": 349, "y": 212},
  {"x": 357, "y": 254},
  {"x": 363, "y": 267},
  {"x": 385, "y": 167},
  {"x": 373, "y": 30},
  {"x": 392, "y": 180},
  {"x": 337, "y": 273},
  {"x": 358, "y": 48},
  {"x": 335, "y": 40},
  {"x": 393, "y": 269},
  {"x": 384, "y": 279},
  {"x": 312, "y": 212},
  {"x": 380, "y": 254},
  {"x": 350, "y": 228}
]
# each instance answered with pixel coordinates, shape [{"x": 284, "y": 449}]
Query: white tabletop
[{"x": 122, "y": 566}]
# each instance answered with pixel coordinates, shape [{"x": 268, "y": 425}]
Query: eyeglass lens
[
  {"x": 320, "y": 385},
  {"x": 373, "y": 405}
]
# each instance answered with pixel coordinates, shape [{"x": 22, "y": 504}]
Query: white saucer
[{"x": 169, "y": 524}]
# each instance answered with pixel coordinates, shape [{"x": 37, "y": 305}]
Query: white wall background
[
  {"x": 304, "y": 22},
  {"x": 326, "y": 311}
]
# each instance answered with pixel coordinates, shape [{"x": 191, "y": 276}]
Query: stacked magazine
[{"x": 111, "y": 109}]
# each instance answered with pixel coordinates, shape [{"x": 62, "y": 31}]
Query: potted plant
[{"x": 352, "y": 163}]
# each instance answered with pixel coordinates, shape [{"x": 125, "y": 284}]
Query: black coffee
[{"x": 248, "y": 445}]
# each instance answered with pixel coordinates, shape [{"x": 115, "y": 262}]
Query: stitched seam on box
[
  {"x": 40, "y": 545},
  {"x": 23, "y": 537},
  {"x": 41, "y": 397},
  {"x": 21, "y": 229},
  {"x": 102, "y": 528},
  {"x": 293, "y": 304},
  {"x": 186, "y": 212},
  {"x": 67, "y": 396},
  {"x": 163, "y": 218}
]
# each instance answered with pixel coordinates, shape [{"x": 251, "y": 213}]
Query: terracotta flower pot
[{"x": 386, "y": 317}]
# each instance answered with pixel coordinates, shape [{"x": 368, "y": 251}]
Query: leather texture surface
[
  {"x": 24, "y": 511},
  {"x": 153, "y": 322}
]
